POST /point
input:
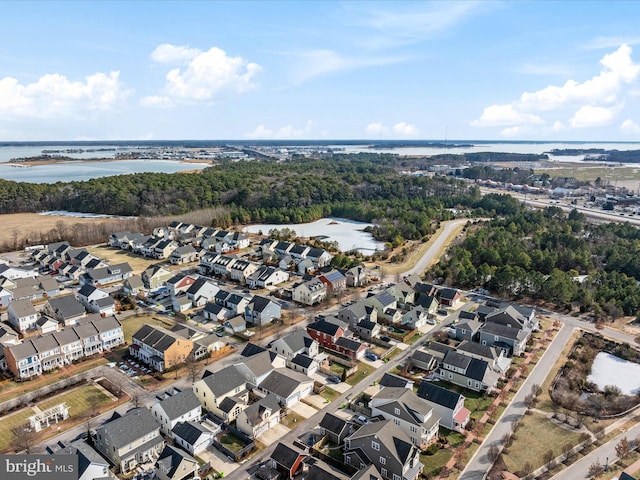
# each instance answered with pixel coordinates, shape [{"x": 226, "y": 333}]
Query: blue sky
[{"x": 508, "y": 70}]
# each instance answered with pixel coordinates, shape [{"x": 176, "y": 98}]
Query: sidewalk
[{"x": 495, "y": 405}]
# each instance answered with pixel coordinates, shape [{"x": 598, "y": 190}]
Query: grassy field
[
  {"x": 10, "y": 389},
  {"x": 114, "y": 255},
  {"x": 587, "y": 173},
  {"x": 534, "y": 437},
  {"x": 81, "y": 401},
  {"x": 10, "y": 422},
  {"x": 363, "y": 371},
  {"x": 433, "y": 463},
  {"x": 132, "y": 324}
]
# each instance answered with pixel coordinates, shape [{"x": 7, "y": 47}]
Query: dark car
[
  {"x": 384, "y": 338},
  {"x": 371, "y": 356},
  {"x": 333, "y": 379}
]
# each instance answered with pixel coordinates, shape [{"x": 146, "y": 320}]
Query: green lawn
[
  {"x": 476, "y": 402},
  {"x": 10, "y": 422},
  {"x": 414, "y": 338},
  {"x": 455, "y": 439},
  {"x": 534, "y": 437},
  {"x": 330, "y": 394},
  {"x": 132, "y": 324},
  {"x": 231, "y": 442},
  {"x": 433, "y": 463},
  {"x": 81, "y": 401},
  {"x": 363, "y": 372}
]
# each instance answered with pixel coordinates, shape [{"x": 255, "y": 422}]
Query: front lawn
[
  {"x": 231, "y": 442},
  {"x": 476, "y": 402},
  {"x": 81, "y": 401},
  {"x": 433, "y": 463},
  {"x": 362, "y": 373}
]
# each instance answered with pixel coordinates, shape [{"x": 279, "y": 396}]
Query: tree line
[{"x": 547, "y": 255}]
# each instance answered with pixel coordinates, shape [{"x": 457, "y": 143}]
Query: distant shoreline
[{"x": 38, "y": 161}]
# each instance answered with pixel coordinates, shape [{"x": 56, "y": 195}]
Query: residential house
[
  {"x": 429, "y": 303},
  {"x": 493, "y": 356},
  {"x": 23, "y": 360},
  {"x": 468, "y": 372},
  {"x": 356, "y": 277},
  {"x": 235, "y": 325},
  {"x": 325, "y": 332},
  {"x": 192, "y": 436},
  {"x": 66, "y": 309},
  {"x": 287, "y": 459},
  {"x": 70, "y": 345},
  {"x": 367, "y": 329},
  {"x": 387, "y": 447},
  {"x": 90, "y": 337},
  {"x": 110, "y": 333},
  {"x": 391, "y": 380},
  {"x": 261, "y": 310},
  {"x": 202, "y": 291},
  {"x": 297, "y": 342},
  {"x": 216, "y": 313},
  {"x": 357, "y": 311},
  {"x": 106, "y": 275},
  {"x": 183, "y": 254},
  {"x": 130, "y": 440},
  {"x": 335, "y": 281},
  {"x": 403, "y": 293},
  {"x": 510, "y": 339},
  {"x": 91, "y": 465},
  {"x": 310, "y": 293},
  {"x": 320, "y": 257},
  {"x": 241, "y": 270},
  {"x": 45, "y": 324},
  {"x": 416, "y": 318},
  {"x": 287, "y": 386},
  {"x": 412, "y": 414},
  {"x": 160, "y": 348},
  {"x": 155, "y": 276},
  {"x": 513, "y": 316},
  {"x": 174, "y": 464},
  {"x": 259, "y": 417},
  {"x": 304, "y": 364},
  {"x": 446, "y": 404},
  {"x": 238, "y": 240},
  {"x": 6, "y": 296},
  {"x": 381, "y": 302},
  {"x": 161, "y": 248},
  {"x": 214, "y": 388},
  {"x": 181, "y": 303},
  {"x": 22, "y": 315},
  {"x": 467, "y": 329},
  {"x": 179, "y": 283},
  {"x": 335, "y": 428},
  {"x": 423, "y": 360},
  {"x": 257, "y": 367},
  {"x": 49, "y": 286},
  {"x": 266, "y": 277},
  {"x": 350, "y": 348},
  {"x": 96, "y": 300},
  {"x": 449, "y": 297},
  {"x": 175, "y": 407},
  {"x": 133, "y": 285}
]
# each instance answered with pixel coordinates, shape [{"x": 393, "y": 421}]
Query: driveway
[
  {"x": 273, "y": 435},
  {"x": 317, "y": 400},
  {"x": 218, "y": 460},
  {"x": 303, "y": 410}
]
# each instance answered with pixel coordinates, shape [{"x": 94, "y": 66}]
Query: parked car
[
  {"x": 371, "y": 356},
  {"x": 333, "y": 379},
  {"x": 359, "y": 419},
  {"x": 384, "y": 338},
  {"x": 442, "y": 311}
]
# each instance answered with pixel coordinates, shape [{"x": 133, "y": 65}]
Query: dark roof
[
  {"x": 478, "y": 349},
  {"x": 503, "y": 331},
  {"x": 283, "y": 382},
  {"x": 391, "y": 380},
  {"x": 258, "y": 303},
  {"x": 449, "y": 293},
  {"x": 464, "y": 315},
  {"x": 67, "y": 306},
  {"x": 286, "y": 455},
  {"x": 180, "y": 403},
  {"x": 252, "y": 349},
  {"x": 170, "y": 460},
  {"x": 324, "y": 327},
  {"x": 190, "y": 432},
  {"x": 302, "y": 360},
  {"x": 130, "y": 427},
  {"x": 457, "y": 360},
  {"x": 333, "y": 423},
  {"x": 438, "y": 395},
  {"x": 349, "y": 344}
]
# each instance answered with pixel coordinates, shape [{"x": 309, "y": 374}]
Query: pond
[
  {"x": 348, "y": 233},
  {"x": 608, "y": 369}
]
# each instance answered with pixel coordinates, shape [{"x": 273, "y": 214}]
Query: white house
[{"x": 175, "y": 407}]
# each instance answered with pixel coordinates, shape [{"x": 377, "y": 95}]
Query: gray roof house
[
  {"x": 174, "y": 407},
  {"x": 468, "y": 372},
  {"x": 387, "y": 447},
  {"x": 412, "y": 414},
  {"x": 130, "y": 440},
  {"x": 512, "y": 340},
  {"x": 335, "y": 427},
  {"x": 192, "y": 436},
  {"x": 448, "y": 405},
  {"x": 91, "y": 465},
  {"x": 22, "y": 315},
  {"x": 261, "y": 310},
  {"x": 287, "y": 385},
  {"x": 214, "y": 388},
  {"x": 174, "y": 464},
  {"x": 259, "y": 417},
  {"x": 294, "y": 343},
  {"x": 66, "y": 309}
]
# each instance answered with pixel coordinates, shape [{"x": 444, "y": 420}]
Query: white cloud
[
  {"x": 593, "y": 102},
  {"x": 285, "y": 132},
  {"x": 315, "y": 63},
  {"x": 404, "y": 129},
  {"x": 590, "y": 116},
  {"x": 512, "y": 132},
  {"x": 55, "y": 95},
  {"x": 398, "y": 130},
  {"x": 206, "y": 75},
  {"x": 630, "y": 127},
  {"x": 502, "y": 115},
  {"x": 167, "y": 53},
  {"x": 611, "y": 42}
]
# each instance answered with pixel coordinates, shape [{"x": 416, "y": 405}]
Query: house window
[
  {"x": 396, "y": 477},
  {"x": 396, "y": 411},
  {"x": 396, "y": 421},
  {"x": 469, "y": 382},
  {"x": 383, "y": 471},
  {"x": 375, "y": 446},
  {"x": 414, "y": 429},
  {"x": 383, "y": 461},
  {"x": 347, "y": 460},
  {"x": 451, "y": 375}
]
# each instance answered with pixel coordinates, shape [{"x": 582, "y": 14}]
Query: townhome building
[
  {"x": 130, "y": 440},
  {"x": 160, "y": 348},
  {"x": 174, "y": 407},
  {"x": 446, "y": 404}
]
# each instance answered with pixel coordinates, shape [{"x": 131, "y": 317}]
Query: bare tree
[
  {"x": 549, "y": 456},
  {"x": 24, "y": 438},
  {"x": 493, "y": 453},
  {"x": 536, "y": 389},
  {"x": 596, "y": 469},
  {"x": 193, "y": 368},
  {"x": 527, "y": 468},
  {"x": 623, "y": 448},
  {"x": 507, "y": 440},
  {"x": 136, "y": 400},
  {"x": 567, "y": 450},
  {"x": 462, "y": 457}
]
